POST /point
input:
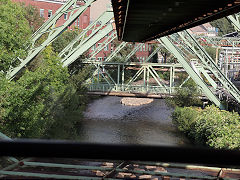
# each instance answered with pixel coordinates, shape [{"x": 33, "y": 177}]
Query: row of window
[
  {"x": 145, "y": 47},
  {"x": 65, "y": 16},
  {"x": 100, "y": 58},
  {"x": 99, "y": 44},
  {"x": 42, "y": 13},
  {"x": 142, "y": 58}
]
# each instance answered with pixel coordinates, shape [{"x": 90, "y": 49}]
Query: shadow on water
[{"x": 108, "y": 121}]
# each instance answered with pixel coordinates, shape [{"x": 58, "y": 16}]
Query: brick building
[{"x": 48, "y": 7}]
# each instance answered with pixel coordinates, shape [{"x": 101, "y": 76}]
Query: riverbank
[{"x": 211, "y": 126}]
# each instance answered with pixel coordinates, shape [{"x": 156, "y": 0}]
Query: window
[
  {"x": 146, "y": 47},
  {"x": 49, "y": 13},
  {"x": 99, "y": 44},
  {"x": 106, "y": 48},
  {"x": 65, "y": 16},
  {"x": 41, "y": 12},
  {"x": 93, "y": 47},
  {"x": 143, "y": 47},
  {"x": 99, "y": 58},
  {"x": 85, "y": 19},
  {"x": 140, "y": 48},
  {"x": 78, "y": 21}
]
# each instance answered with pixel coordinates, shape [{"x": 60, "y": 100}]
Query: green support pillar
[
  {"x": 144, "y": 77},
  {"x": 148, "y": 74},
  {"x": 123, "y": 70},
  {"x": 191, "y": 72},
  {"x": 118, "y": 77},
  {"x": 171, "y": 79}
]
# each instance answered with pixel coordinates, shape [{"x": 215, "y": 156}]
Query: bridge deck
[{"x": 140, "y": 20}]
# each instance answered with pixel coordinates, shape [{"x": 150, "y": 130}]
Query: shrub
[
  {"x": 211, "y": 126},
  {"x": 184, "y": 118},
  {"x": 188, "y": 95},
  {"x": 218, "y": 128}
]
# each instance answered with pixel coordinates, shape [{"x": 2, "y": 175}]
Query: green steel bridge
[{"x": 136, "y": 21}]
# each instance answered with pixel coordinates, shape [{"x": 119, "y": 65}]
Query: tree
[
  {"x": 188, "y": 95},
  {"x": 14, "y": 31},
  {"x": 223, "y": 25},
  {"x": 64, "y": 39},
  {"x": 33, "y": 17},
  {"x": 29, "y": 104}
]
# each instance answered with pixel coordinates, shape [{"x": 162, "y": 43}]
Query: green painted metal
[
  {"x": 116, "y": 51},
  {"x": 53, "y": 19},
  {"x": 209, "y": 63},
  {"x": 176, "y": 175},
  {"x": 79, "y": 50},
  {"x": 135, "y": 49},
  {"x": 153, "y": 53},
  {"x": 210, "y": 80},
  {"x": 67, "y": 166},
  {"x": 108, "y": 40},
  {"x": 52, "y": 36},
  {"x": 234, "y": 19},
  {"x": 146, "y": 70},
  {"x": 208, "y": 92},
  {"x": 185, "y": 81},
  {"x": 82, "y": 38},
  {"x": 41, "y": 175}
]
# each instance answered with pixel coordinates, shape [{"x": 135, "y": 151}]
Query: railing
[{"x": 132, "y": 88}]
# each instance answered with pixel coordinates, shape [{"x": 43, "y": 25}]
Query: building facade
[
  {"x": 48, "y": 7},
  {"x": 205, "y": 30}
]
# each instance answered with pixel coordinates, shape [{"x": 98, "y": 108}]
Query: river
[{"x": 106, "y": 120}]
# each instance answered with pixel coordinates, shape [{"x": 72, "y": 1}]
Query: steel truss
[
  {"x": 145, "y": 81},
  {"x": 49, "y": 28},
  {"x": 224, "y": 84}
]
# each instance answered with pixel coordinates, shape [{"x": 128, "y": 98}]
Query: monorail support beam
[{"x": 191, "y": 72}]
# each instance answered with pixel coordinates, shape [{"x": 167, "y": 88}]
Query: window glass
[
  {"x": 65, "y": 16},
  {"x": 49, "y": 13},
  {"x": 41, "y": 12}
]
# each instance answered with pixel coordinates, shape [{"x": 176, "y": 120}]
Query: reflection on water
[{"x": 108, "y": 121}]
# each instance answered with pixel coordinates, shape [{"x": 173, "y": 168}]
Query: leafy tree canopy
[{"x": 14, "y": 31}]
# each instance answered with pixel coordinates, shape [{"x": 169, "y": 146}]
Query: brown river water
[{"x": 108, "y": 121}]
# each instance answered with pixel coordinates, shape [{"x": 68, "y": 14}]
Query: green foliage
[
  {"x": 14, "y": 31},
  {"x": 64, "y": 39},
  {"x": 28, "y": 108},
  {"x": 184, "y": 118},
  {"x": 211, "y": 126},
  {"x": 218, "y": 129},
  {"x": 33, "y": 17},
  {"x": 211, "y": 51},
  {"x": 188, "y": 95},
  {"x": 223, "y": 25},
  {"x": 40, "y": 103}
]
